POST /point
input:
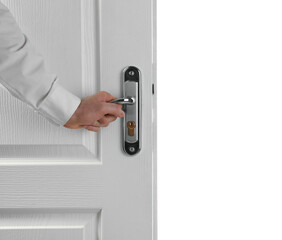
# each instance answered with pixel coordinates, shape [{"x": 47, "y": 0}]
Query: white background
[{"x": 220, "y": 119}]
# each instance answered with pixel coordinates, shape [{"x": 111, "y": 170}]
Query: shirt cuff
[{"x": 59, "y": 105}]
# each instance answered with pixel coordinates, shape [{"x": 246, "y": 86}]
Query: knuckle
[
  {"x": 93, "y": 123},
  {"x": 110, "y": 120},
  {"x": 93, "y": 129},
  {"x": 103, "y": 120},
  {"x": 103, "y": 94}
]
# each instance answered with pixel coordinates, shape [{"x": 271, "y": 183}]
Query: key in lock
[{"x": 131, "y": 126}]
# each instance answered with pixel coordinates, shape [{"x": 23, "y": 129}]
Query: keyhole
[{"x": 131, "y": 125}]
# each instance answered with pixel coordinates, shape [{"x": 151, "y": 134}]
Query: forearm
[{"x": 23, "y": 73}]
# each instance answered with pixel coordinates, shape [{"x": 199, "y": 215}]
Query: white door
[{"x": 62, "y": 184}]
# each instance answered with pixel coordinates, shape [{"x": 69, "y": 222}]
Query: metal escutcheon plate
[{"x": 132, "y": 119}]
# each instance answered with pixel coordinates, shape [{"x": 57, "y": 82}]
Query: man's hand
[{"x": 95, "y": 112}]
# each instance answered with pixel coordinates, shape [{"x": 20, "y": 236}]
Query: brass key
[{"x": 131, "y": 125}]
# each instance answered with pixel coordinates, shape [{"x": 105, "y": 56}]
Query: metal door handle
[
  {"x": 132, "y": 107},
  {"x": 124, "y": 101}
]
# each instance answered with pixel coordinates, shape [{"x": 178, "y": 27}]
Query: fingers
[
  {"x": 113, "y": 109},
  {"x": 103, "y": 122},
  {"x": 104, "y": 96},
  {"x": 98, "y": 124},
  {"x": 109, "y": 108},
  {"x": 92, "y": 128},
  {"x": 107, "y": 119},
  {"x": 95, "y": 112}
]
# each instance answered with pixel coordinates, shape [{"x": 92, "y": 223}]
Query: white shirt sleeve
[{"x": 23, "y": 74}]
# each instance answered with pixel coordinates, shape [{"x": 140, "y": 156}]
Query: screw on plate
[
  {"x": 131, "y": 73},
  {"x": 132, "y": 149}
]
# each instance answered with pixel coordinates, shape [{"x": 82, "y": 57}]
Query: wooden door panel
[
  {"x": 23, "y": 224},
  {"x": 67, "y": 34},
  {"x": 51, "y": 186}
]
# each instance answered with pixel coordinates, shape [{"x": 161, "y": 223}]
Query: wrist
[{"x": 74, "y": 119}]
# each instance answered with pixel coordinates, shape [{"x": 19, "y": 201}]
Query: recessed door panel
[
  {"x": 31, "y": 224},
  {"x": 66, "y": 33}
]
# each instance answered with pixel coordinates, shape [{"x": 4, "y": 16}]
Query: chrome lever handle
[{"x": 124, "y": 101}]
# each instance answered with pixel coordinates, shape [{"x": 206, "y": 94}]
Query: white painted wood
[
  {"x": 51, "y": 173},
  {"x": 32, "y": 225},
  {"x": 64, "y": 32},
  {"x": 43, "y": 234}
]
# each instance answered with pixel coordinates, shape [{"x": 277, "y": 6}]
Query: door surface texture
[{"x": 63, "y": 184}]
